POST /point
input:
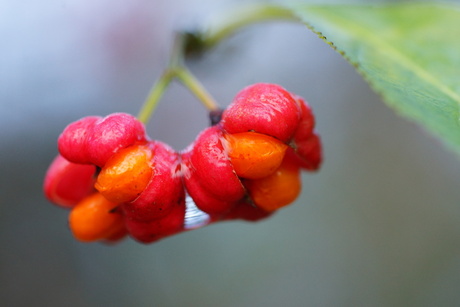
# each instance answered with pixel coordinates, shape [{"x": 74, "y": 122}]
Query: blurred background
[{"x": 379, "y": 225}]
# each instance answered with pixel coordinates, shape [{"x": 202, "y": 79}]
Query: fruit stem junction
[
  {"x": 187, "y": 43},
  {"x": 154, "y": 96},
  {"x": 176, "y": 70}
]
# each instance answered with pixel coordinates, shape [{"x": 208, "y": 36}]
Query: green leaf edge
[{"x": 422, "y": 72}]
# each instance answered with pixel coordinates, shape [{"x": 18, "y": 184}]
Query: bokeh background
[{"x": 379, "y": 225}]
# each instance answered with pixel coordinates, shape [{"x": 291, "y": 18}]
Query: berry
[
  {"x": 307, "y": 120},
  {"x": 72, "y": 143},
  {"x": 306, "y": 143},
  {"x": 126, "y": 174},
  {"x": 246, "y": 166},
  {"x": 164, "y": 190},
  {"x": 205, "y": 199},
  {"x": 277, "y": 190},
  {"x": 93, "y": 140},
  {"x": 207, "y": 163},
  {"x": 113, "y": 132},
  {"x": 254, "y": 155},
  {"x": 67, "y": 183},
  {"x": 246, "y": 211},
  {"x": 156, "y": 229},
  {"x": 95, "y": 218},
  {"x": 263, "y": 108},
  {"x": 307, "y": 153},
  {"x": 119, "y": 233}
]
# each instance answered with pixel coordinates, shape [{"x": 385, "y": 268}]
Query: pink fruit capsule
[
  {"x": 67, "y": 183},
  {"x": 156, "y": 229},
  {"x": 111, "y": 133},
  {"x": 306, "y": 143},
  {"x": 307, "y": 121},
  {"x": 72, "y": 142},
  {"x": 307, "y": 153},
  {"x": 165, "y": 188},
  {"x": 208, "y": 172},
  {"x": 203, "y": 198},
  {"x": 263, "y": 108},
  {"x": 248, "y": 212}
]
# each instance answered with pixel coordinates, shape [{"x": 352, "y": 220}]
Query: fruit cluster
[{"x": 117, "y": 181}]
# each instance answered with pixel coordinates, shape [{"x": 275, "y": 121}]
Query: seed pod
[
  {"x": 67, "y": 183},
  {"x": 208, "y": 173},
  {"x": 165, "y": 188},
  {"x": 263, "y": 108}
]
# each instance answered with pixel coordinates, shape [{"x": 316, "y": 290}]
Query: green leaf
[{"x": 409, "y": 53}]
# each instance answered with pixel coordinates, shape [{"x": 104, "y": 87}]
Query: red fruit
[
  {"x": 307, "y": 121},
  {"x": 204, "y": 199},
  {"x": 165, "y": 188},
  {"x": 113, "y": 132},
  {"x": 207, "y": 164},
  {"x": 246, "y": 166},
  {"x": 93, "y": 140},
  {"x": 306, "y": 144},
  {"x": 212, "y": 166},
  {"x": 154, "y": 230},
  {"x": 67, "y": 183},
  {"x": 248, "y": 212},
  {"x": 308, "y": 153},
  {"x": 263, "y": 108},
  {"x": 118, "y": 234},
  {"x": 72, "y": 142}
]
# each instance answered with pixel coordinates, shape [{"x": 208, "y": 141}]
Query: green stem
[
  {"x": 245, "y": 17},
  {"x": 226, "y": 27},
  {"x": 192, "y": 83},
  {"x": 154, "y": 96}
]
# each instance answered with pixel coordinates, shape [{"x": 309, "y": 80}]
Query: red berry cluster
[{"x": 117, "y": 181}]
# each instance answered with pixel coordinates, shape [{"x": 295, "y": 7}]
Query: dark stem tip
[{"x": 215, "y": 116}]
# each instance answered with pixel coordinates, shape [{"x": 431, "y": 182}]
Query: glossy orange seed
[
  {"x": 126, "y": 174},
  {"x": 277, "y": 190},
  {"x": 94, "y": 218},
  {"x": 254, "y": 155}
]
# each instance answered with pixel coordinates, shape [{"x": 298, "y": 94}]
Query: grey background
[{"x": 379, "y": 225}]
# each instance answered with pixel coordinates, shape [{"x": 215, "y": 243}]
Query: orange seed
[
  {"x": 126, "y": 174},
  {"x": 94, "y": 218},
  {"x": 277, "y": 190},
  {"x": 254, "y": 155}
]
